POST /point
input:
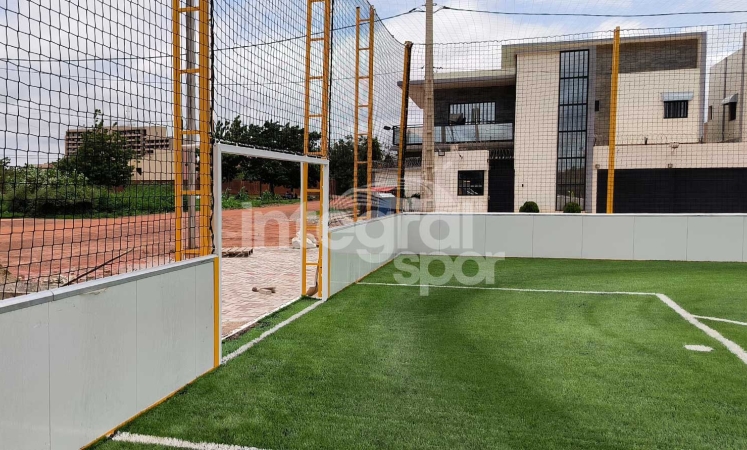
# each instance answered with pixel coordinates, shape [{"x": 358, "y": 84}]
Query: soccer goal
[{"x": 273, "y": 239}]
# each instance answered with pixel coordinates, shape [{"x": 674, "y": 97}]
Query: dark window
[
  {"x": 676, "y": 109},
  {"x": 474, "y": 112},
  {"x": 710, "y": 113},
  {"x": 732, "y": 111},
  {"x": 471, "y": 182},
  {"x": 596, "y": 105},
  {"x": 572, "y": 132}
]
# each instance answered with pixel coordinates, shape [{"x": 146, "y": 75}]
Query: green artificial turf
[
  {"x": 382, "y": 367},
  {"x": 231, "y": 345}
]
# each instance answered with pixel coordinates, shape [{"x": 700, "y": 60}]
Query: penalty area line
[
  {"x": 493, "y": 288},
  {"x": 716, "y": 319},
  {"x": 269, "y": 332},
  {"x": 174, "y": 443},
  {"x": 730, "y": 345}
]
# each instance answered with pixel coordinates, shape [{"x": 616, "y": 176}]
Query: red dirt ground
[{"x": 42, "y": 252}]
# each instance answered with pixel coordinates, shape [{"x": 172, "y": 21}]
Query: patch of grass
[
  {"x": 382, "y": 367},
  {"x": 231, "y": 345},
  {"x": 702, "y": 288}
]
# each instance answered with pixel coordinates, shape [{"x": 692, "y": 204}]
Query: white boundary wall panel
[
  {"x": 660, "y": 238},
  {"x": 78, "y": 361},
  {"x": 715, "y": 238},
  {"x": 666, "y": 237},
  {"x": 361, "y": 248},
  {"x": 557, "y": 236},
  {"x": 511, "y": 234},
  {"x": 24, "y": 374},
  {"x": 608, "y": 237}
]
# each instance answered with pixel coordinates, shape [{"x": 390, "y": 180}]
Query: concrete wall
[
  {"x": 358, "y": 249},
  {"x": 710, "y": 155},
  {"x": 579, "y": 236},
  {"x": 641, "y": 108},
  {"x": 77, "y": 362},
  {"x": 727, "y": 77},
  {"x": 154, "y": 167},
  {"x": 446, "y": 172},
  {"x": 536, "y": 129}
]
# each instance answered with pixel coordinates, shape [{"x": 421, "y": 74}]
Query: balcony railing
[{"x": 456, "y": 134}]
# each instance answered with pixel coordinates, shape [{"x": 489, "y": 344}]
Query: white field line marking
[
  {"x": 716, "y": 319},
  {"x": 175, "y": 443},
  {"x": 249, "y": 325},
  {"x": 486, "y": 288},
  {"x": 730, "y": 345},
  {"x": 733, "y": 347},
  {"x": 699, "y": 348},
  {"x": 269, "y": 332}
]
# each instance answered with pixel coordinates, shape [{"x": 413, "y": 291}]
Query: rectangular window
[
  {"x": 676, "y": 109},
  {"x": 710, "y": 113},
  {"x": 474, "y": 112},
  {"x": 572, "y": 128},
  {"x": 471, "y": 182},
  {"x": 732, "y": 111},
  {"x": 596, "y": 105}
]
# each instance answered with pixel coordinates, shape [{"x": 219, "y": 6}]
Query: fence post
[{"x": 613, "y": 122}]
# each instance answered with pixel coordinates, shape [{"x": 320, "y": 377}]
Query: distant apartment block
[
  {"x": 726, "y": 95},
  {"x": 537, "y": 129},
  {"x": 152, "y": 145}
]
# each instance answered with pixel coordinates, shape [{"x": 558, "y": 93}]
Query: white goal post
[{"x": 220, "y": 148}]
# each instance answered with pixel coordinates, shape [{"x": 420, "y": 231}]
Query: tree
[
  {"x": 270, "y": 135},
  {"x": 103, "y": 156},
  {"x": 341, "y": 162}
]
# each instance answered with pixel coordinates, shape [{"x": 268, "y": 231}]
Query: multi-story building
[
  {"x": 152, "y": 146},
  {"x": 726, "y": 95},
  {"x": 538, "y": 128}
]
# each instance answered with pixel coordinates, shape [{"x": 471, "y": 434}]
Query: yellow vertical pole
[
  {"x": 369, "y": 134},
  {"x": 613, "y": 122},
  {"x": 403, "y": 123},
  {"x": 307, "y": 82},
  {"x": 356, "y": 114},
  {"x": 206, "y": 153},
  {"x": 326, "y": 77},
  {"x": 323, "y": 115},
  {"x": 177, "y": 150},
  {"x": 304, "y": 218}
]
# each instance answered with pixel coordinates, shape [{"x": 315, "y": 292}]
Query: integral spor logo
[{"x": 425, "y": 271}]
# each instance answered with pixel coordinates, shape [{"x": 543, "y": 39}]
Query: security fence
[{"x": 111, "y": 110}]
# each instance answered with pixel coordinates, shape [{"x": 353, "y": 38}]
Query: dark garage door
[{"x": 675, "y": 191}]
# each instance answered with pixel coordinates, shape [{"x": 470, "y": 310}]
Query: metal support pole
[
  {"x": 613, "y": 122},
  {"x": 403, "y": 124},
  {"x": 356, "y": 113},
  {"x": 189, "y": 148},
  {"x": 369, "y": 134},
  {"x": 323, "y": 116},
  {"x": 178, "y": 168},
  {"x": 426, "y": 193}
]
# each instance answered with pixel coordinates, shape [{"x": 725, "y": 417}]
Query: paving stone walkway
[{"x": 277, "y": 267}]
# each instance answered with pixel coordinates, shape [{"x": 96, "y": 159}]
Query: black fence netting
[
  {"x": 110, "y": 111},
  {"x": 530, "y": 123}
]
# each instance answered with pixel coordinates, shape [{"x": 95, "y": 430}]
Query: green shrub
[
  {"x": 529, "y": 207},
  {"x": 269, "y": 197},
  {"x": 230, "y": 202},
  {"x": 32, "y": 192},
  {"x": 572, "y": 208},
  {"x": 243, "y": 195}
]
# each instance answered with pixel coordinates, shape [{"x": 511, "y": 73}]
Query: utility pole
[
  {"x": 426, "y": 190},
  {"x": 191, "y": 146}
]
